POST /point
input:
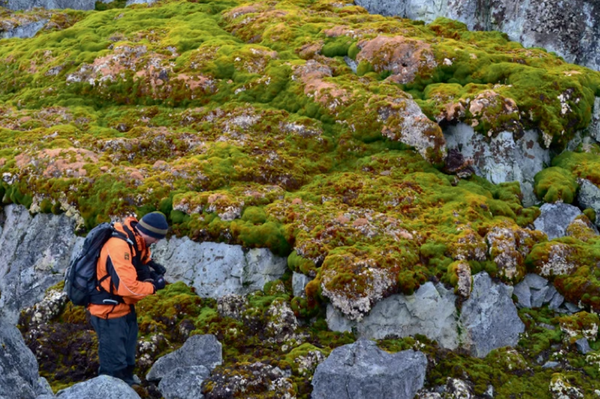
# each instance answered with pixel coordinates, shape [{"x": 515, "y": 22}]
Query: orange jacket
[{"x": 116, "y": 260}]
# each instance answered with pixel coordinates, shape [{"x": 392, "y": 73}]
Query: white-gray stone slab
[
  {"x": 501, "y": 159},
  {"x": 555, "y": 218}
]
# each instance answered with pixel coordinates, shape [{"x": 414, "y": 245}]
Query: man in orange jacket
[{"x": 119, "y": 271}]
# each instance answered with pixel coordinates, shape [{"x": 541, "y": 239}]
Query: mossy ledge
[{"x": 245, "y": 123}]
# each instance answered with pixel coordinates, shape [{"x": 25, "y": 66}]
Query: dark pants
[{"x": 117, "y": 342}]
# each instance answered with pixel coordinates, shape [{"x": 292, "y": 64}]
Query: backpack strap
[
  {"x": 137, "y": 259},
  {"x": 104, "y": 297}
]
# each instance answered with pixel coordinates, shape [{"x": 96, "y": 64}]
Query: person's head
[{"x": 153, "y": 227}]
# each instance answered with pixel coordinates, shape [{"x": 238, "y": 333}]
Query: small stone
[
  {"x": 583, "y": 346},
  {"x": 550, "y": 365}
]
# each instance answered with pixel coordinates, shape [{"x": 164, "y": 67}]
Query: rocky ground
[{"x": 377, "y": 156}]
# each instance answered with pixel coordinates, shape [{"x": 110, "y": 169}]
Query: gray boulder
[
  {"x": 24, "y": 31},
  {"x": 216, "y": 270},
  {"x": 489, "y": 317},
  {"x": 101, "y": 387},
  {"x": 555, "y": 218},
  {"x": 34, "y": 253},
  {"x": 18, "y": 367},
  {"x": 49, "y": 4},
  {"x": 589, "y": 197},
  {"x": 571, "y": 30},
  {"x": 184, "y": 383},
  {"x": 430, "y": 312},
  {"x": 361, "y": 370},
  {"x": 198, "y": 350},
  {"x": 502, "y": 158}
]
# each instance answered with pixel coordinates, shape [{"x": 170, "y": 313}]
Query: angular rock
[
  {"x": 555, "y": 299},
  {"x": 24, "y": 31},
  {"x": 184, "y": 383},
  {"x": 583, "y": 346},
  {"x": 50, "y": 4},
  {"x": 216, "y": 270},
  {"x": 501, "y": 159},
  {"x": 198, "y": 350},
  {"x": 299, "y": 282},
  {"x": 361, "y": 370},
  {"x": 18, "y": 367},
  {"x": 535, "y": 281},
  {"x": 101, "y": 387},
  {"x": 573, "y": 32},
  {"x": 555, "y": 218},
  {"x": 589, "y": 197},
  {"x": 489, "y": 317},
  {"x": 430, "y": 312},
  {"x": 538, "y": 297},
  {"x": 523, "y": 294},
  {"x": 34, "y": 253}
]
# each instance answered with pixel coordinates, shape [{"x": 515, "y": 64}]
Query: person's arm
[{"x": 122, "y": 272}]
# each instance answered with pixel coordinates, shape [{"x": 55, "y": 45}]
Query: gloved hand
[
  {"x": 158, "y": 268},
  {"x": 159, "y": 283},
  {"x": 144, "y": 273}
]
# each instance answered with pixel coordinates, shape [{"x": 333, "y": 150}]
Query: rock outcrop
[
  {"x": 488, "y": 318},
  {"x": 502, "y": 158},
  {"x": 18, "y": 367},
  {"x": 361, "y": 370},
  {"x": 571, "y": 30},
  {"x": 34, "y": 253},
  {"x": 29, "y": 4},
  {"x": 24, "y": 31},
  {"x": 215, "y": 270},
  {"x": 430, "y": 312}
]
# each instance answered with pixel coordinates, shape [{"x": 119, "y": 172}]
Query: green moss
[{"x": 555, "y": 184}]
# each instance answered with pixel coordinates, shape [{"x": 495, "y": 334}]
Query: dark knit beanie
[{"x": 154, "y": 224}]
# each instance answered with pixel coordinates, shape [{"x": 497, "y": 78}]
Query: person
[{"x": 125, "y": 278}]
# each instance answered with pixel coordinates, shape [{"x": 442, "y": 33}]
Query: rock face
[
  {"x": 102, "y": 387},
  {"x": 215, "y": 270},
  {"x": 489, "y": 317},
  {"x": 555, "y": 218},
  {"x": 430, "y": 312},
  {"x": 34, "y": 253},
  {"x": 18, "y": 368},
  {"x": 571, "y": 30},
  {"x": 361, "y": 370},
  {"x": 24, "y": 31},
  {"x": 589, "y": 196},
  {"x": 198, "y": 350},
  {"x": 502, "y": 158},
  {"x": 29, "y": 4}
]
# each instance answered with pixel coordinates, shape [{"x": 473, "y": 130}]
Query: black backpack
[{"x": 80, "y": 279}]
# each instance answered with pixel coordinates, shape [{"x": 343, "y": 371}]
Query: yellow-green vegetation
[{"x": 245, "y": 123}]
